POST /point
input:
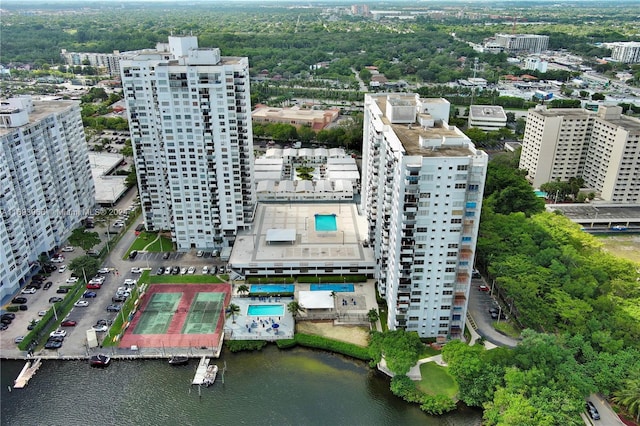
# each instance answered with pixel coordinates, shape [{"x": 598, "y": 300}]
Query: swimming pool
[
  {"x": 272, "y": 288},
  {"x": 332, "y": 287},
  {"x": 326, "y": 222},
  {"x": 265, "y": 310}
]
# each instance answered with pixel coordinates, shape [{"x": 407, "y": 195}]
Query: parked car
[
  {"x": 99, "y": 279},
  {"x": 483, "y": 288},
  {"x": 67, "y": 249},
  {"x": 6, "y": 321},
  {"x": 133, "y": 254},
  {"x": 57, "y": 259},
  {"x": 28, "y": 290},
  {"x": 183, "y": 271},
  {"x": 175, "y": 270},
  {"x": 68, "y": 323},
  {"x": 3, "y": 326},
  {"x": 59, "y": 332},
  {"x": 475, "y": 274},
  {"x": 89, "y": 294},
  {"x": 166, "y": 255},
  {"x": 130, "y": 281},
  {"x": 592, "y": 410},
  {"x": 160, "y": 270},
  {"x": 100, "y": 328},
  {"x": 55, "y": 299},
  {"x": 48, "y": 285},
  {"x": 53, "y": 344},
  {"x": 49, "y": 267},
  {"x": 104, "y": 322},
  {"x": 72, "y": 280},
  {"x": 200, "y": 253},
  {"x": 118, "y": 299},
  {"x": 93, "y": 253},
  {"x": 62, "y": 290},
  {"x": 32, "y": 324},
  {"x": 94, "y": 286},
  {"x": 191, "y": 270},
  {"x": 104, "y": 270},
  {"x": 62, "y": 268},
  {"x": 167, "y": 270},
  {"x": 136, "y": 270},
  {"x": 18, "y": 339},
  {"x": 114, "y": 308},
  {"x": 214, "y": 270},
  {"x": 19, "y": 300},
  {"x": 9, "y": 315},
  {"x": 81, "y": 303},
  {"x": 205, "y": 270},
  {"x": 42, "y": 313}
]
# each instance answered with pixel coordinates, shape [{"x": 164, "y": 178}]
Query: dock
[
  {"x": 201, "y": 371},
  {"x": 28, "y": 371}
]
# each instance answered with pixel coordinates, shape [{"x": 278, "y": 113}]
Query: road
[{"x": 479, "y": 304}]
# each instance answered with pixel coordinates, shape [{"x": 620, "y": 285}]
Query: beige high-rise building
[{"x": 602, "y": 148}]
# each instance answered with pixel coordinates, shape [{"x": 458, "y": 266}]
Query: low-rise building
[{"x": 487, "y": 117}]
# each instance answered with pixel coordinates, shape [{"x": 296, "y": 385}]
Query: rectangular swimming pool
[
  {"x": 274, "y": 289},
  {"x": 332, "y": 287},
  {"x": 326, "y": 222},
  {"x": 265, "y": 310}
]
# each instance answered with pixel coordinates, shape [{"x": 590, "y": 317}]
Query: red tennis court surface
[{"x": 174, "y": 336}]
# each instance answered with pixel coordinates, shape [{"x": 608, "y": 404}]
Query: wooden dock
[
  {"x": 28, "y": 371},
  {"x": 201, "y": 371}
]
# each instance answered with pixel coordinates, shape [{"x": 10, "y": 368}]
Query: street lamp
[{"x": 342, "y": 237}]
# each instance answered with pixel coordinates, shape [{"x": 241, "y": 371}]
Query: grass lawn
[
  {"x": 184, "y": 279},
  {"x": 624, "y": 246},
  {"x": 507, "y": 328},
  {"x": 436, "y": 380},
  {"x": 145, "y": 238}
]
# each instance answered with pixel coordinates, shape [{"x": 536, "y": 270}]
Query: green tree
[
  {"x": 243, "y": 289},
  {"x": 295, "y": 308},
  {"x": 232, "y": 311},
  {"x": 400, "y": 349},
  {"x": 629, "y": 396},
  {"x": 84, "y": 266},
  {"x": 83, "y": 239},
  {"x": 373, "y": 315}
]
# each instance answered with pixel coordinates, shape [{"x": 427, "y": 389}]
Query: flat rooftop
[
  {"x": 311, "y": 247},
  {"x": 42, "y": 109},
  {"x": 109, "y": 189}
]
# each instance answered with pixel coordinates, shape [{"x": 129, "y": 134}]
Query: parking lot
[{"x": 480, "y": 302}]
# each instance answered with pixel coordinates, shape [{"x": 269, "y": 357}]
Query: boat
[
  {"x": 100, "y": 360},
  {"x": 179, "y": 360},
  {"x": 210, "y": 375}
]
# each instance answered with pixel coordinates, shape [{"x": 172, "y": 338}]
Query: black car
[
  {"x": 50, "y": 267},
  {"x": 52, "y": 344},
  {"x": 7, "y": 321},
  {"x": 9, "y": 315},
  {"x": 56, "y": 339},
  {"x": 104, "y": 322},
  {"x": 3, "y": 326},
  {"x": 62, "y": 290},
  {"x": 38, "y": 279},
  {"x": 133, "y": 254},
  {"x": 19, "y": 300},
  {"x": 175, "y": 270},
  {"x": 23, "y": 307},
  {"x": 118, "y": 299},
  {"x": 166, "y": 255},
  {"x": 160, "y": 270},
  {"x": 48, "y": 285},
  {"x": 36, "y": 285},
  {"x": 55, "y": 299},
  {"x": 592, "y": 410}
]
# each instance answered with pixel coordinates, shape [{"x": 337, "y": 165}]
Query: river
[{"x": 272, "y": 387}]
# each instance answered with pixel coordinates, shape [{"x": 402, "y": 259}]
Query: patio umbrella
[{"x": 275, "y": 327}]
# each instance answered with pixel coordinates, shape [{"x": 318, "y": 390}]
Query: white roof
[
  {"x": 320, "y": 152},
  {"x": 305, "y": 152},
  {"x": 337, "y": 152},
  {"x": 273, "y": 153},
  {"x": 267, "y": 175},
  {"x": 343, "y": 185},
  {"x": 285, "y": 186},
  {"x": 281, "y": 235},
  {"x": 316, "y": 299},
  {"x": 343, "y": 174},
  {"x": 341, "y": 160},
  {"x": 323, "y": 186},
  {"x": 266, "y": 186},
  {"x": 289, "y": 152},
  {"x": 304, "y": 186}
]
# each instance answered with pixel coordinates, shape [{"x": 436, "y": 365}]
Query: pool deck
[{"x": 344, "y": 246}]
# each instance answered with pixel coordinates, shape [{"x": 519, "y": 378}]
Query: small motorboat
[
  {"x": 210, "y": 375},
  {"x": 100, "y": 360},
  {"x": 179, "y": 360}
]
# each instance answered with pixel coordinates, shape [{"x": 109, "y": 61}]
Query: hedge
[
  {"x": 271, "y": 280},
  {"x": 333, "y": 279},
  {"x": 344, "y": 348},
  {"x": 245, "y": 345}
]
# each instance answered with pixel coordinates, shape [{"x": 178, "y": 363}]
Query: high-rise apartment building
[
  {"x": 627, "y": 52},
  {"x": 423, "y": 182},
  {"x": 190, "y": 120},
  {"x": 514, "y": 43},
  {"x": 603, "y": 148},
  {"x": 46, "y": 187}
]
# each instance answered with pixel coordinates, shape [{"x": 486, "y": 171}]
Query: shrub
[
  {"x": 336, "y": 346},
  {"x": 437, "y": 404},
  {"x": 245, "y": 345},
  {"x": 286, "y": 343},
  {"x": 13, "y": 308}
]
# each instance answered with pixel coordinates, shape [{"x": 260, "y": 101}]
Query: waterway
[{"x": 272, "y": 387}]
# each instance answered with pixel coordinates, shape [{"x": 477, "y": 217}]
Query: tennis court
[{"x": 179, "y": 315}]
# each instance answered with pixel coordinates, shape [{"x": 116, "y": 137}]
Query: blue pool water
[
  {"x": 265, "y": 310},
  {"x": 272, "y": 288},
  {"x": 332, "y": 287},
  {"x": 326, "y": 222}
]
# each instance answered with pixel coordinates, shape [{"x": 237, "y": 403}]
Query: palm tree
[
  {"x": 232, "y": 310},
  {"x": 629, "y": 397},
  {"x": 295, "y": 308},
  {"x": 243, "y": 289},
  {"x": 373, "y": 315}
]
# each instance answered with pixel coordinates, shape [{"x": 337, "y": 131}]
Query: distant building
[
  {"x": 626, "y": 52},
  {"x": 296, "y": 116},
  {"x": 422, "y": 183},
  {"x": 603, "y": 148},
  {"x": 109, "y": 61},
  {"x": 487, "y": 117},
  {"x": 45, "y": 181},
  {"x": 535, "y": 64},
  {"x": 516, "y": 43}
]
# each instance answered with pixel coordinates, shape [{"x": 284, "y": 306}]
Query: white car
[
  {"x": 205, "y": 270},
  {"x": 130, "y": 281},
  {"x": 123, "y": 293},
  {"x": 104, "y": 270},
  {"x": 67, "y": 249},
  {"x": 58, "y": 333},
  {"x": 57, "y": 259},
  {"x": 200, "y": 253},
  {"x": 62, "y": 268},
  {"x": 72, "y": 280},
  {"x": 183, "y": 271},
  {"x": 81, "y": 303},
  {"x": 118, "y": 224},
  {"x": 191, "y": 270},
  {"x": 29, "y": 290},
  {"x": 136, "y": 270},
  {"x": 99, "y": 279},
  {"x": 100, "y": 328},
  {"x": 167, "y": 271},
  {"x": 42, "y": 313}
]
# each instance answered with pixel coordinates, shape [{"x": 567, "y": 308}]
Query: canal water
[{"x": 271, "y": 387}]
